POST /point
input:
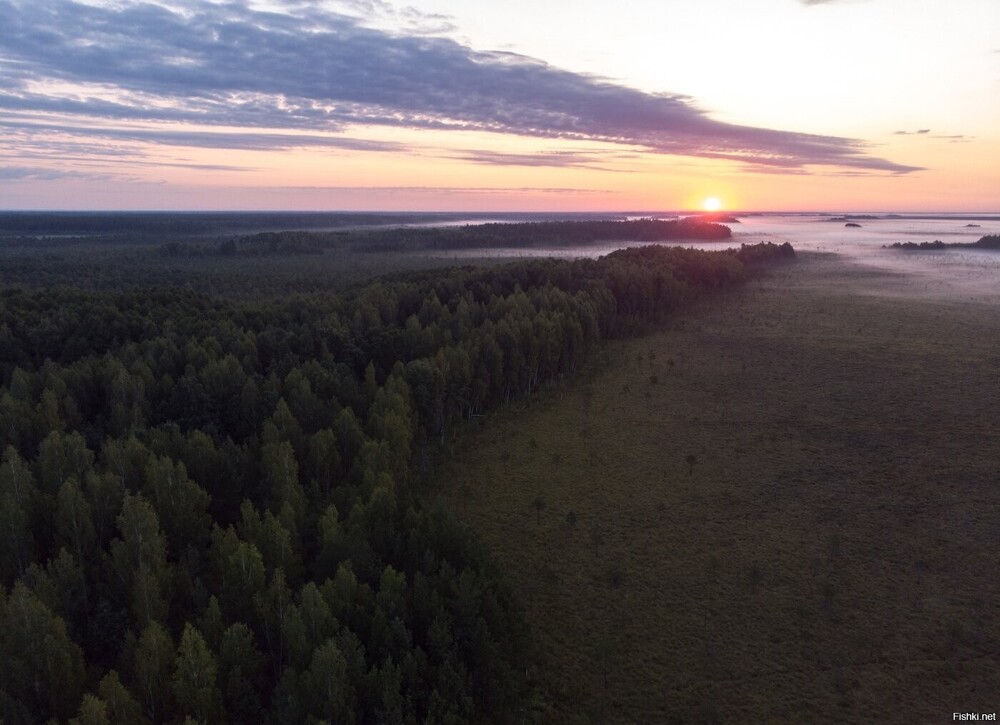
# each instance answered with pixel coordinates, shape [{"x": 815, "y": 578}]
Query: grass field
[{"x": 781, "y": 508}]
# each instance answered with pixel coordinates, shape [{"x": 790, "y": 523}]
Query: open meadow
[{"x": 782, "y": 507}]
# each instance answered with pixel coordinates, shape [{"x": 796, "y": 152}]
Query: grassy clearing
[{"x": 784, "y": 508}]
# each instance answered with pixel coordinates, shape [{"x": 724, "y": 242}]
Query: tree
[
  {"x": 691, "y": 460},
  {"x": 240, "y": 570},
  {"x": 211, "y": 625},
  {"x": 74, "y": 526},
  {"x": 280, "y": 471},
  {"x": 153, "y": 671},
  {"x": 127, "y": 458},
  {"x": 194, "y": 677},
  {"x": 60, "y": 456},
  {"x": 596, "y": 536},
  {"x": 317, "y": 618},
  {"x": 272, "y": 606},
  {"x": 392, "y": 588},
  {"x": 180, "y": 503},
  {"x": 324, "y": 460},
  {"x": 538, "y": 504},
  {"x": 43, "y": 668},
  {"x": 287, "y": 427},
  {"x": 104, "y": 493},
  {"x": 70, "y": 584},
  {"x": 93, "y": 711},
  {"x": 140, "y": 559},
  {"x": 122, "y": 707},
  {"x": 18, "y": 497},
  {"x": 240, "y": 674},
  {"x": 332, "y": 544},
  {"x": 349, "y": 436},
  {"x": 281, "y": 544},
  {"x": 325, "y": 684}
]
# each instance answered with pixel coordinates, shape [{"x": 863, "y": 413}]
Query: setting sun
[{"x": 712, "y": 204}]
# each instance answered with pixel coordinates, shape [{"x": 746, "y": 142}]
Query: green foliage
[
  {"x": 194, "y": 678},
  {"x": 219, "y": 497},
  {"x": 44, "y": 668},
  {"x": 153, "y": 670}
]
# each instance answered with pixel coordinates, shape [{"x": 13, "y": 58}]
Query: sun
[{"x": 712, "y": 203}]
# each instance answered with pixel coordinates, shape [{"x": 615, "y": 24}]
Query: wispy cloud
[
  {"x": 243, "y": 140},
  {"x": 553, "y": 159},
  {"x": 312, "y": 72},
  {"x": 926, "y": 132},
  {"x": 38, "y": 173},
  {"x": 439, "y": 190}
]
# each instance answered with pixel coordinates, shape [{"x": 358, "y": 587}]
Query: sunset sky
[{"x": 859, "y": 105}]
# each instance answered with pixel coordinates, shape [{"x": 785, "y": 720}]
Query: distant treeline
[
  {"x": 159, "y": 224},
  {"x": 155, "y": 226},
  {"x": 471, "y": 236},
  {"x": 543, "y": 234},
  {"x": 990, "y": 241},
  {"x": 208, "y": 510}
]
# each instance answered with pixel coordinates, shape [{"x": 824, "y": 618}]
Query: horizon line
[{"x": 460, "y": 212}]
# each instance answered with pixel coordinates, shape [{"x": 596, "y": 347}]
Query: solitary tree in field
[
  {"x": 571, "y": 519},
  {"x": 607, "y": 651},
  {"x": 538, "y": 504},
  {"x": 596, "y": 537},
  {"x": 691, "y": 460}
]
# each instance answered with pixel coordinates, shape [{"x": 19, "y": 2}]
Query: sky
[{"x": 521, "y": 105}]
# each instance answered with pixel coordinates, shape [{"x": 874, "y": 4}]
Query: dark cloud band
[{"x": 318, "y": 72}]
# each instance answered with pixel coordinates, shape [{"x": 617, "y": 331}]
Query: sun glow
[{"x": 712, "y": 203}]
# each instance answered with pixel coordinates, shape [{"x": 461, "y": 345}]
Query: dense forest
[
  {"x": 210, "y": 508},
  {"x": 990, "y": 241},
  {"x": 153, "y": 225},
  {"x": 494, "y": 235},
  {"x": 214, "y": 253}
]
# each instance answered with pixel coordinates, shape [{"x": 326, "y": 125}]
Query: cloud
[
  {"x": 556, "y": 159},
  {"x": 439, "y": 190},
  {"x": 121, "y": 151},
  {"x": 38, "y": 173},
  {"x": 954, "y": 138},
  {"x": 242, "y": 140},
  {"x": 311, "y": 72},
  {"x": 60, "y": 145}
]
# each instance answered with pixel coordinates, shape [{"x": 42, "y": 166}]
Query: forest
[
  {"x": 211, "y": 507},
  {"x": 990, "y": 241},
  {"x": 507, "y": 235}
]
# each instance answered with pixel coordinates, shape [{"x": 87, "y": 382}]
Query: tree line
[
  {"x": 990, "y": 241},
  {"x": 210, "y": 509},
  {"x": 503, "y": 235}
]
